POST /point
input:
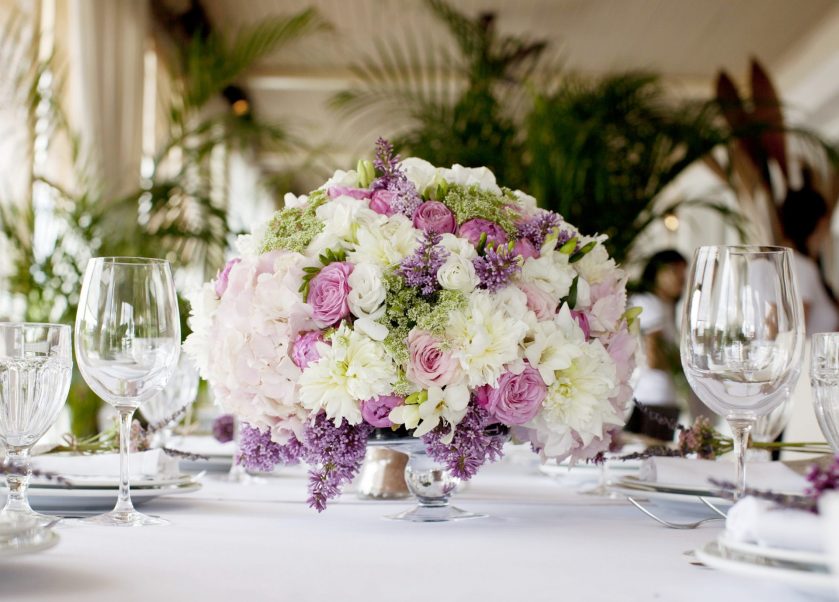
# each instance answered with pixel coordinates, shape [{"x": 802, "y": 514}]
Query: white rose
[
  {"x": 457, "y": 274},
  {"x": 367, "y": 291}
]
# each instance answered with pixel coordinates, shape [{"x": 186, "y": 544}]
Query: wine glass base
[
  {"x": 602, "y": 491},
  {"x": 434, "y": 514},
  {"x": 130, "y": 518},
  {"x": 27, "y": 516}
]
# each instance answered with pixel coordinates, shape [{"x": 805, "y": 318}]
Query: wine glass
[
  {"x": 824, "y": 380},
  {"x": 127, "y": 344},
  {"x": 36, "y": 366},
  {"x": 162, "y": 410},
  {"x": 742, "y": 335}
]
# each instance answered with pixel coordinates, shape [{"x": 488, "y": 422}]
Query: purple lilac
[
  {"x": 420, "y": 269},
  {"x": 470, "y": 448},
  {"x": 386, "y": 162},
  {"x": 335, "y": 453},
  {"x": 537, "y": 228},
  {"x": 257, "y": 451},
  {"x": 224, "y": 428},
  {"x": 406, "y": 199},
  {"x": 496, "y": 267},
  {"x": 823, "y": 479}
]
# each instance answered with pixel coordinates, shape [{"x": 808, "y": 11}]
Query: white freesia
[
  {"x": 420, "y": 173},
  {"x": 469, "y": 176},
  {"x": 448, "y": 404},
  {"x": 577, "y": 408},
  {"x": 483, "y": 338},
  {"x": 553, "y": 345},
  {"x": 293, "y": 201},
  {"x": 551, "y": 272},
  {"x": 458, "y": 274},
  {"x": 371, "y": 328},
  {"x": 352, "y": 369},
  {"x": 384, "y": 243},
  {"x": 458, "y": 246},
  {"x": 596, "y": 265},
  {"x": 527, "y": 202},
  {"x": 367, "y": 291},
  {"x": 342, "y": 178}
]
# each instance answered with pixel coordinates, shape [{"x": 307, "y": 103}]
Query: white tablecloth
[{"x": 236, "y": 543}]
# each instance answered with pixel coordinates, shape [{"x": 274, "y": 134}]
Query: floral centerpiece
[{"x": 406, "y": 296}]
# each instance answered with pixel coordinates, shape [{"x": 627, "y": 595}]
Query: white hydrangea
[{"x": 202, "y": 308}]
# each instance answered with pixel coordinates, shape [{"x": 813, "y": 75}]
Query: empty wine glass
[
  {"x": 36, "y": 366},
  {"x": 127, "y": 345},
  {"x": 742, "y": 335},
  {"x": 824, "y": 381},
  {"x": 163, "y": 410}
]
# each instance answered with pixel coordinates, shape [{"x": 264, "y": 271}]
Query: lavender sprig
[
  {"x": 177, "y": 453},
  {"x": 470, "y": 448},
  {"x": 727, "y": 490},
  {"x": 537, "y": 228},
  {"x": 420, "y": 269},
  {"x": 393, "y": 179},
  {"x": 496, "y": 267}
]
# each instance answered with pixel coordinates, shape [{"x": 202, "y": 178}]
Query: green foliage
[{"x": 472, "y": 202}]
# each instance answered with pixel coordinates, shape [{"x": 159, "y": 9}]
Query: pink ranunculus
[
  {"x": 428, "y": 364},
  {"x": 525, "y": 248},
  {"x": 357, "y": 193},
  {"x": 518, "y": 397},
  {"x": 434, "y": 216},
  {"x": 328, "y": 293},
  {"x": 582, "y": 321},
  {"x": 304, "y": 349},
  {"x": 375, "y": 411},
  {"x": 539, "y": 301},
  {"x": 472, "y": 229},
  {"x": 381, "y": 202},
  {"x": 221, "y": 281}
]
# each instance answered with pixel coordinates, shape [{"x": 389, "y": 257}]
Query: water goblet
[
  {"x": 36, "y": 366},
  {"x": 127, "y": 346},
  {"x": 824, "y": 382},
  {"x": 742, "y": 335},
  {"x": 163, "y": 410}
]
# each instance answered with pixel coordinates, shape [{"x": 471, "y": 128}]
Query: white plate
[
  {"x": 612, "y": 466},
  {"x": 214, "y": 463},
  {"x": 61, "y": 499},
  {"x": 750, "y": 566},
  {"x": 773, "y": 553},
  {"x": 81, "y": 482},
  {"x": 44, "y": 540}
]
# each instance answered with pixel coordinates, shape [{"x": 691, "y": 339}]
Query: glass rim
[
  {"x": 127, "y": 260},
  {"x": 10, "y": 325},
  {"x": 757, "y": 249},
  {"x": 824, "y": 335}
]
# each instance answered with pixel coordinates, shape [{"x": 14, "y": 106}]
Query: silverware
[{"x": 669, "y": 524}]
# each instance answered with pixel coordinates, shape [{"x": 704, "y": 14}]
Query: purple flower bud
[
  {"x": 223, "y": 428},
  {"x": 221, "y": 281},
  {"x": 382, "y": 202}
]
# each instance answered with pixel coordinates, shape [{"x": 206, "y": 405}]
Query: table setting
[{"x": 431, "y": 312}]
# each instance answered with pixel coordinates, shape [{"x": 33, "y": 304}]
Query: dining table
[{"x": 258, "y": 540}]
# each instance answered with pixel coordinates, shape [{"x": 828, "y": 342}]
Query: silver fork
[{"x": 672, "y": 525}]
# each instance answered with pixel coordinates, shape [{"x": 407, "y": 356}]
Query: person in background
[
  {"x": 657, "y": 292},
  {"x": 805, "y": 221}
]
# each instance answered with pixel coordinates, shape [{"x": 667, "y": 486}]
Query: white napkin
[
  {"x": 151, "y": 463},
  {"x": 774, "y": 476},
  {"x": 760, "y": 521},
  {"x": 204, "y": 445}
]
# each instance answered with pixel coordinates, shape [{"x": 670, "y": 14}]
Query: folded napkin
[
  {"x": 775, "y": 476},
  {"x": 151, "y": 463},
  {"x": 203, "y": 445},
  {"x": 762, "y": 522}
]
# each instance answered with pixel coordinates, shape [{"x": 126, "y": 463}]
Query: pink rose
[
  {"x": 428, "y": 364},
  {"x": 328, "y": 293},
  {"x": 539, "y": 301},
  {"x": 356, "y": 193},
  {"x": 381, "y": 202},
  {"x": 434, "y": 216},
  {"x": 472, "y": 229},
  {"x": 304, "y": 349},
  {"x": 375, "y": 411},
  {"x": 525, "y": 248},
  {"x": 518, "y": 397},
  {"x": 221, "y": 281},
  {"x": 582, "y": 320}
]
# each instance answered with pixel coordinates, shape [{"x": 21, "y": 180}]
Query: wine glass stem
[
  {"x": 18, "y": 480},
  {"x": 124, "y": 502},
  {"x": 741, "y": 430}
]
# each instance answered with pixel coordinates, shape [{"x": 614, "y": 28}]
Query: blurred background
[{"x": 164, "y": 128}]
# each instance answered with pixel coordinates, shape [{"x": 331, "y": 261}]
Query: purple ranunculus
[
  {"x": 376, "y": 411},
  {"x": 526, "y": 249},
  {"x": 224, "y": 428},
  {"x": 221, "y": 281},
  {"x": 328, "y": 293},
  {"x": 382, "y": 202},
  {"x": 518, "y": 397},
  {"x": 304, "y": 349},
  {"x": 582, "y": 320},
  {"x": 434, "y": 216},
  {"x": 472, "y": 229},
  {"x": 356, "y": 193}
]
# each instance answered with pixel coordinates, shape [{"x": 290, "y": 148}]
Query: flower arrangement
[{"x": 406, "y": 296}]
